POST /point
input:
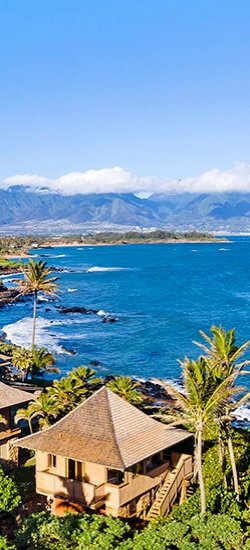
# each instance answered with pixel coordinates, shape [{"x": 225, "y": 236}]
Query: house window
[
  {"x": 51, "y": 461},
  {"x": 75, "y": 469},
  {"x": 115, "y": 477},
  {"x": 154, "y": 461}
]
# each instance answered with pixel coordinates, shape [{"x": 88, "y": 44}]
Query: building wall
[
  {"x": 95, "y": 473},
  {"x": 130, "y": 498}
]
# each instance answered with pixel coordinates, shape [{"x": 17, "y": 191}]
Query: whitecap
[
  {"x": 59, "y": 256},
  {"x": 224, "y": 249},
  {"x": 11, "y": 275},
  {"x": 102, "y": 312},
  {"x": 20, "y": 333},
  {"x": 242, "y": 413},
  {"x": 96, "y": 269},
  {"x": 71, "y": 289},
  {"x": 174, "y": 383}
]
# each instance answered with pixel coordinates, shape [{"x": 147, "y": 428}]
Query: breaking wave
[
  {"x": 242, "y": 413},
  {"x": 20, "y": 333},
  {"x": 102, "y": 312}
]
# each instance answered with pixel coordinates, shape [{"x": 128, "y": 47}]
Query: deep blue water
[{"x": 162, "y": 295}]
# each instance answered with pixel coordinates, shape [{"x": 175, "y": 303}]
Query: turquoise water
[{"x": 161, "y": 295}]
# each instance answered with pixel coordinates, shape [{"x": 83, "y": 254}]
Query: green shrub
[{"x": 9, "y": 496}]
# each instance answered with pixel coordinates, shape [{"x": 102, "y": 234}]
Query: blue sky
[{"x": 157, "y": 87}]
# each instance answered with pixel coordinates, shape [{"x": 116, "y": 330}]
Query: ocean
[{"x": 160, "y": 296}]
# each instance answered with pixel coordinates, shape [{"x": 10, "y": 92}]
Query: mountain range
[{"x": 23, "y": 209}]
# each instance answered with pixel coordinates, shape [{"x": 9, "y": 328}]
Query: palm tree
[
  {"x": 197, "y": 407},
  {"x": 43, "y": 361},
  {"x": 44, "y": 408},
  {"x": 84, "y": 376},
  {"x": 25, "y": 414},
  {"x": 22, "y": 358},
  {"x": 223, "y": 353},
  {"x": 126, "y": 388},
  {"x": 37, "y": 279},
  {"x": 222, "y": 350},
  {"x": 67, "y": 394}
]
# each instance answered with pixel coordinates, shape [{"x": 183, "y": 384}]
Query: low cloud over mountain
[{"x": 118, "y": 180}]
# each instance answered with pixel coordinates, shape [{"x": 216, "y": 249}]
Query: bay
[{"x": 160, "y": 294}]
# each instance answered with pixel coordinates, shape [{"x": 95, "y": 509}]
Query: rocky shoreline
[{"x": 7, "y": 296}]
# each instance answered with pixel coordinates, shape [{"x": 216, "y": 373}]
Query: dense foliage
[
  {"x": 10, "y": 265},
  {"x": 81, "y": 532},
  {"x": 84, "y": 532},
  {"x": 143, "y": 237},
  {"x": 9, "y": 496}
]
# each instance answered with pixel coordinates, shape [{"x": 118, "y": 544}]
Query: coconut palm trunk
[
  {"x": 233, "y": 464},
  {"x": 222, "y": 455},
  {"x": 200, "y": 471},
  {"x": 34, "y": 321},
  {"x": 29, "y": 420}
]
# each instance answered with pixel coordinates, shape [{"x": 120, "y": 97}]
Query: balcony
[
  {"x": 119, "y": 495},
  {"x": 51, "y": 484},
  {"x": 8, "y": 433}
]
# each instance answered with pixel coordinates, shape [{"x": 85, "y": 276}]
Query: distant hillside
[{"x": 22, "y": 208}]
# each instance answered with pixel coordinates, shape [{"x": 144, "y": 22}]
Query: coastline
[
  {"x": 63, "y": 244},
  {"x": 15, "y": 256}
]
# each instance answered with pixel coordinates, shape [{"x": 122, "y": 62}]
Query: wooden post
[{"x": 185, "y": 484}]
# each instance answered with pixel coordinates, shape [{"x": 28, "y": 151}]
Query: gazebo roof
[
  {"x": 12, "y": 396},
  {"x": 107, "y": 430}
]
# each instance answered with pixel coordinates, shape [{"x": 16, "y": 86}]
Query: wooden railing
[
  {"x": 171, "y": 487},
  {"x": 48, "y": 483},
  {"x": 182, "y": 470}
]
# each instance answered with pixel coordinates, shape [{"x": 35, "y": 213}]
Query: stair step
[{"x": 155, "y": 509}]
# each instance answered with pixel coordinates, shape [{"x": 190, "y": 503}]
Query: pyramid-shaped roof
[
  {"x": 107, "y": 430},
  {"x": 12, "y": 396}
]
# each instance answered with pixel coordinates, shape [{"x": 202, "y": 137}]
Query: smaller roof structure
[
  {"x": 12, "y": 396},
  {"x": 107, "y": 430}
]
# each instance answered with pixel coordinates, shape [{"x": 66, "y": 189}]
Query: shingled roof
[
  {"x": 105, "y": 430},
  {"x": 12, "y": 396}
]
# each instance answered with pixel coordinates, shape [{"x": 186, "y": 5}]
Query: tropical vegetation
[
  {"x": 202, "y": 401},
  {"x": 127, "y": 389},
  {"x": 217, "y": 515}
]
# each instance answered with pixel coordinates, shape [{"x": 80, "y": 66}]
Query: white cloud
[{"x": 118, "y": 180}]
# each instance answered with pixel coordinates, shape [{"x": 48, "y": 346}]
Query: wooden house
[
  {"x": 107, "y": 455},
  {"x": 11, "y": 399}
]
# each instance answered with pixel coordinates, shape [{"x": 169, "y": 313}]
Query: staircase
[{"x": 170, "y": 488}]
